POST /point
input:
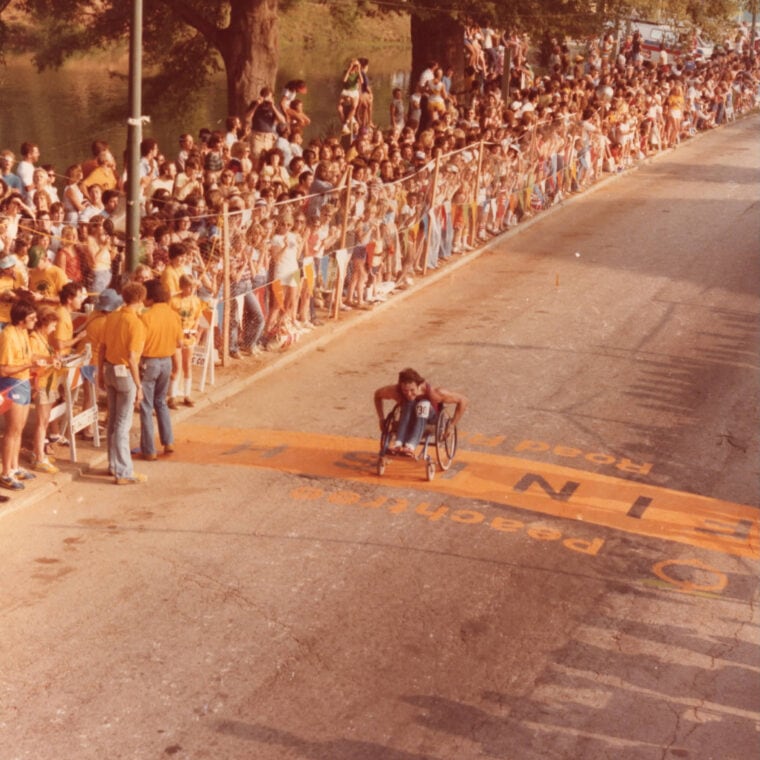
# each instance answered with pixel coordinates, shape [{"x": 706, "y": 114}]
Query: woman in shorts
[
  {"x": 16, "y": 362},
  {"x": 284, "y": 248}
]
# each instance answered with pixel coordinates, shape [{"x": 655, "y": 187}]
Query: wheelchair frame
[{"x": 440, "y": 435}]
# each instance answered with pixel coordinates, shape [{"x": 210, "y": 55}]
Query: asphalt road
[{"x": 582, "y": 584}]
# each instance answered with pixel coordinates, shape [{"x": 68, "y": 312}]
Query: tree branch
[{"x": 191, "y": 17}]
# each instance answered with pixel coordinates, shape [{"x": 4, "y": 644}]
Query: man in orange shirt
[
  {"x": 158, "y": 367},
  {"x": 119, "y": 371},
  {"x": 108, "y": 300}
]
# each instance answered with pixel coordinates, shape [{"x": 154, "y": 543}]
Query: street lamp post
[{"x": 134, "y": 136}]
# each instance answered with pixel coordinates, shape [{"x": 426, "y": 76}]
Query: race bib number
[{"x": 422, "y": 408}]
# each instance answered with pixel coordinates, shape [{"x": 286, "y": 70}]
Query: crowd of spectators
[{"x": 337, "y": 223}]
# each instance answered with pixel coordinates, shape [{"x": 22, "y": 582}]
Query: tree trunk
[
  {"x": 437, "y": 38},
  {"x": 249, "y": 47}
]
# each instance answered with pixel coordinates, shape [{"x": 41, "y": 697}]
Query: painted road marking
[{"x": 539, "y": 487}]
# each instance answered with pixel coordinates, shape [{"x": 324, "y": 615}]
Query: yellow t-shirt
[
  {"x": 94, "y": 331},
  {"x": 103, "y": 176},
  {"x": 65, "y": 328},
  {"x": 15, "y": 350},
  {"x": 163, "y": 331},
  {"x": 123, "y": 334},
  {"x": 170, "y": 279},
  {"x": 41, "y": 348},
  {"x": 189, "y": 309},
  {"x": 48, "y": 281},
  {"x": 6, "y": 285}
]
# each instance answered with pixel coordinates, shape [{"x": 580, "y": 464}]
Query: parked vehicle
[{"x": 677, "y": 41}]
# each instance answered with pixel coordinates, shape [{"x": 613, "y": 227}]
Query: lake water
[{"x": 64, "y": 110}]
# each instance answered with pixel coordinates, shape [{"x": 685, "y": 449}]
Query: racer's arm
[
  {"x": 442, "y": 396},
  {"x": 387, "y": 392}
]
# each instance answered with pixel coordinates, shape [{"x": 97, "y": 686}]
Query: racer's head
[{"x": 410, "y": 383}]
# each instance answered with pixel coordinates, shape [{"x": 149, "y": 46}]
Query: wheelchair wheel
[
  {"x": 390, "y": 425},
  {"x": 445, "y": 440}
]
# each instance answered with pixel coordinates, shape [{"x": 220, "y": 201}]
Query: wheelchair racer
[{"x": 420, "y": 404}]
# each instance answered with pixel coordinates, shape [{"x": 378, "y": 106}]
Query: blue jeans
[
  {"x": 253, "y": 319},
  {"x": 155, "y": 375},
  {"x": 414, "y": 416},
  {"x": 121, "y": 393}
]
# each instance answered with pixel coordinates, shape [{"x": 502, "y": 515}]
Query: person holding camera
[
  {"x": 98, "y": 251},
  {"x": 263, "y": 116},
  {"x": 349, "y": 96}
]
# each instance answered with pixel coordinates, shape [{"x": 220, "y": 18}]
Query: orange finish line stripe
[{"x": 549, "y": 489}]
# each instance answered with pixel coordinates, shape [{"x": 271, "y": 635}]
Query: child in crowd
[{"x": 189, "y": 307}]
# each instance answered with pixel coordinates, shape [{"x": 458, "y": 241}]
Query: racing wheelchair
[{"x": 439, "y": 434}]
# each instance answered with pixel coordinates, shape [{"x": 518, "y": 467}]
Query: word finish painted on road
[{"x": 539, "y": 487}]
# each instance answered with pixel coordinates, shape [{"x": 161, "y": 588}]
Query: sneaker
[
  {"x": 137, "y": 477},
  {"x": 46, "y": 466},
  {"x": 22, "y": 474},
  {"x": 234, "y": 355},
  {"x": 9, "y": 482},
  {"x": 149, "y": 457},
  {"x": 169, "y": 448},
  {"x": 188, "y": 401},
  {"x": 171, "y": 403}
]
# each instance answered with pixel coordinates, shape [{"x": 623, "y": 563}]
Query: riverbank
[{"x": 86, "y": 99}]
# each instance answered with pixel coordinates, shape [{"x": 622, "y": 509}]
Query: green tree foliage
[{"x": 3, "y": 27}]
